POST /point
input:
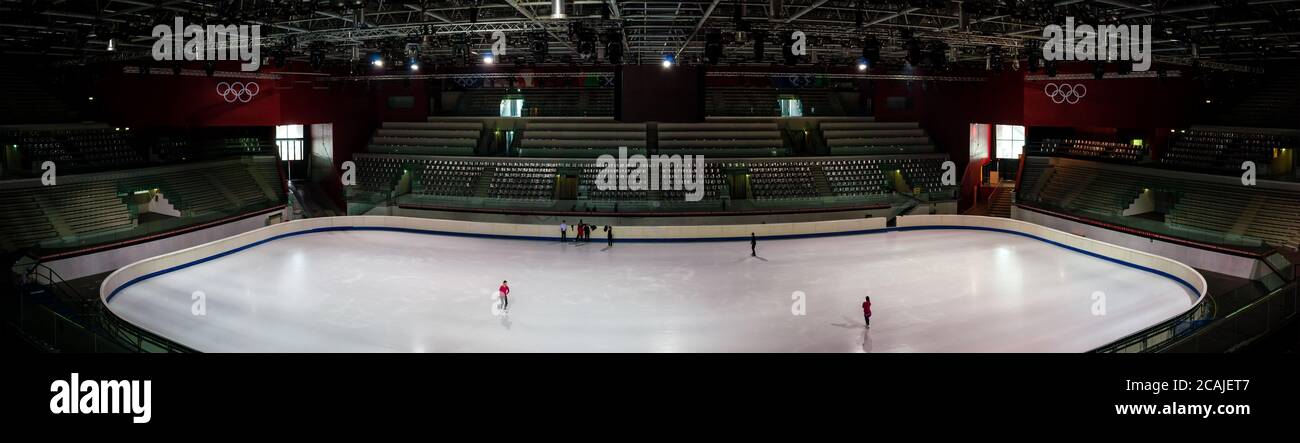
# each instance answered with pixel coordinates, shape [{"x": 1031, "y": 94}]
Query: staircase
[
  {"x": 1000, "y": 202},
  {"x": 484, "y": 185},
  {"x": 820, "y": 182}
]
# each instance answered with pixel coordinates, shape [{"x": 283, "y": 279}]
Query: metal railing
[{"x": 91, "y": 327}]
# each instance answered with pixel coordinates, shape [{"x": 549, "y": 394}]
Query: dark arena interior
[{"x": 729, "y": 176}]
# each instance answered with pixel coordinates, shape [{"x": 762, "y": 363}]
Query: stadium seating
[
  {"x": 1223, "y": 150},
  {"x": 74, "y": 148},
  {"x": 1203, "y": 204},
  {"x": 1087, "y": 149},
  {"x": 868, "y": 137},
  {"x": 758, "y": 139},
  {"x": 26, "y": 101},
  {"x": 742, "y": 102},
  {"x": 427, "y": 138},
  {"x": 524, "y": 181},
  {"x": 548, "y": 139},
  {"x": 82, "y": 208}
]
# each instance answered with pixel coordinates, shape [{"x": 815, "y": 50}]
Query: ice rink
[{"x": 383, "y": 291}]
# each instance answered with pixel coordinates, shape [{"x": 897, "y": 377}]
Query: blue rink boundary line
[{"x": 555, "y": 239}]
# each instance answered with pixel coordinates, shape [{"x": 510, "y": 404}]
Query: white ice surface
[{"x": 932, "y": 291}]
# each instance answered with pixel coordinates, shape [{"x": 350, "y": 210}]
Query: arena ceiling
[{"x": 1214, "y": 33}]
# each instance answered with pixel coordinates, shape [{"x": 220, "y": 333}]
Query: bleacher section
[
  {"x": 742, "y": 102},
  {"x": 568, "y": 102},
  {"x": 536, "y": 180},
  {"x": 762, "y": 102},
  {"x": 1274, "y": 104},
  {"x": 73, "y": 148},
  {"x": 540, "y": 102},
  {"x": 1199, "y": 204},
  {"x": 547, "y": 139},
  {"x": 856, "y": 177},
  {"x": 82, "y": 209},
  {"x": 782, "y": 180},
  {"x": 26, "y": 101},
  {"x": 868, "y": 137},
  {"x": 1087, "y": 149},
  {"x": 525, "y": 181},
  {"x": 24, "y": 221},
  {"x": 759, "y": 139},
  {"x": 1224, "y": 150},
  {"x": 443, "y": 177},
  {"x": 427, "y": 138},
  {"x": 480, "y": 102}
]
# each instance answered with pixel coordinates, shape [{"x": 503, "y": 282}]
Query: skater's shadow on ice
[
  {"x": 505, "y": 321},
  {"x": 866, "y": 341},
  {"x": 752, "y": 257},
  {"x": 607, "y": 248},
  {"x": 850, "y": 324}
]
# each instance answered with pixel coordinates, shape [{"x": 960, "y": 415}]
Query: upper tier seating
[
  {"x": 568, "y": 102},
  {"x": 74, "y": 148},
  {"x": 1223, "y": 150},
  {"x": 546, "y": 139},
  {"x": 1087, "y": 149},
  {"x": 868, "y": 137},
  {"x": 427, "y": 138},
  {"x": 742, "y": 102},
  {"x": 760, "y": 139},
  {"x": 1274, "y": 104},
  {"x": 762, "y": 102},
  {"x": 26, "y": 101}
]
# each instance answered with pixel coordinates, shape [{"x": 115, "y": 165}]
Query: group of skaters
[{"x": 583, "y": 232}]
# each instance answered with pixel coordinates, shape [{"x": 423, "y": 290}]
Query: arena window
[
  {"x": 289, "y": 139},
  {"x": 512, "y": 106},
  {"x": 1010, "y": 141},
  {"x": 790, "y": 107}
]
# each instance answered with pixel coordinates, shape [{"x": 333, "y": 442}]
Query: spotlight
[
  {"x": 415, "y": 66},
  {"x": 668, "y": 61},
  {"x": 557, "y": 8},
  {"x": 378, "y": 63},
  {"x": 488, "y": 58},
  {"x": 862, "y": 64},
  {"x": 112, "y": 46}
]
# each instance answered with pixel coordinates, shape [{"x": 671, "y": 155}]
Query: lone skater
[
  {"x": 866, "y": 312},
  {"x": 504, "y": 290},
  {"x": 753, "y": 245},
  {"x": 564, "y": 231},
  {"x": 609, "y": 233}
]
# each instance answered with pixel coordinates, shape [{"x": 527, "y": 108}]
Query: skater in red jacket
[
  {"x": 866, "y": 312},
  {"x": 504, "y": 290}
]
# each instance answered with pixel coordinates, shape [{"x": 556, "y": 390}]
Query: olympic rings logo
[
  {"x": 242, "y": 92},
  {"x": 1065, "y": 92}
]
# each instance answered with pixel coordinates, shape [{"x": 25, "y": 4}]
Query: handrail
[{"x": 103, "y": 320}]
